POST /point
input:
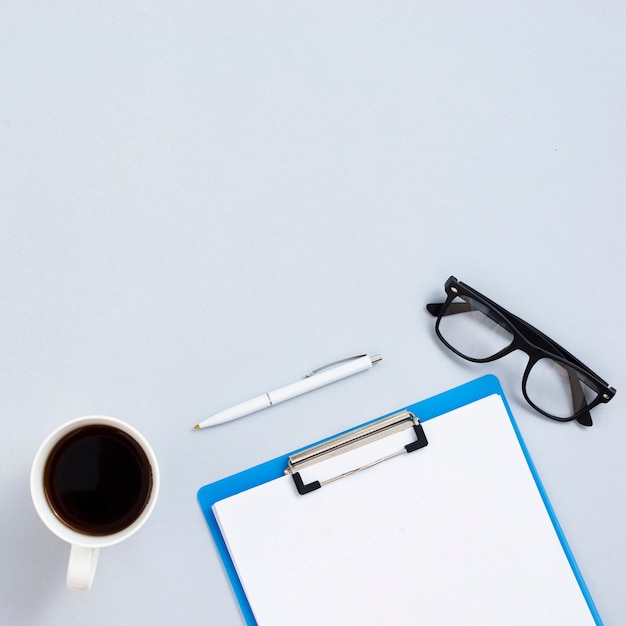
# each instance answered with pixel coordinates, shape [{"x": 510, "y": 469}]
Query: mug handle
[{"x": 82, "y": 567}]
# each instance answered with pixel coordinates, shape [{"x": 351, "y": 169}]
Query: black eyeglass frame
[{"x": 528, "y": 339}]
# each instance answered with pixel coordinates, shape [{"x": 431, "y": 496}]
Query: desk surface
[{"x": 203, "y": 203}]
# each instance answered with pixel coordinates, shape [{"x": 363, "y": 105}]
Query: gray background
[{"x": 201, "y": 201}]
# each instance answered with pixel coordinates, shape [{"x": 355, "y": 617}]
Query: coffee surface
[{"x": 97, "y": 480}]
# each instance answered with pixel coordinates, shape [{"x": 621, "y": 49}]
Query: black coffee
[{"x": 97, "y": 480}]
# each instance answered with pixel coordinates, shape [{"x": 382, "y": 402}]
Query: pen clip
[{"x": 334, "y": 364}]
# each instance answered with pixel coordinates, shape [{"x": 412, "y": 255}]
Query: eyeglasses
[{"x": 555, "y": 383}]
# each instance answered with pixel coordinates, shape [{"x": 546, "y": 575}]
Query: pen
[{"x": 318, "y": 378}]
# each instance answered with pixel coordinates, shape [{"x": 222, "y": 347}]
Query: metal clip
[
  {"x": 374, "y": 359},
  {"x": 351, "y": 440}
]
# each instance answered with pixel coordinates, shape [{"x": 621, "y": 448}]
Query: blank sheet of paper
[{"x": 454, "y": 533}]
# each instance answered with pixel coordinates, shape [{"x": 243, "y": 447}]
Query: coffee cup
[{"x": 94, "y": 482}]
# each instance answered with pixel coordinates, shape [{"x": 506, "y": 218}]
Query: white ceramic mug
[{"x": 85, "y": 546}]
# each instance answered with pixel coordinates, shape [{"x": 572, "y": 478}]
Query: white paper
[{"x": 454, "y": 533}]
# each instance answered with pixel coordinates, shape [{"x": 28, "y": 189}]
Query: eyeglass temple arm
[
  {"x": 531, "y": 333},
  {"x": 542, "y": 340},
  {"x": 578, "y": 396},
  {"x": 435, "y": 308},
  {"x": 455, "y": 308}
]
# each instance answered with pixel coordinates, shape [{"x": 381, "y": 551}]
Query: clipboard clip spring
[{"x": 352, "y": 440}]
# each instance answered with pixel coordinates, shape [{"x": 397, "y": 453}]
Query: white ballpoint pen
[{"x": 316, "y": 379}]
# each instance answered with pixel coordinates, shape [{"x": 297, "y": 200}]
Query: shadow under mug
[{"x": 90, "y": 468}]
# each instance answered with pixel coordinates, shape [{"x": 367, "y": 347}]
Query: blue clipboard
[{"x": 426, "y": 410}]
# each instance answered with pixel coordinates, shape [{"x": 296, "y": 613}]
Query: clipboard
[{"x": 400, "y": 446}]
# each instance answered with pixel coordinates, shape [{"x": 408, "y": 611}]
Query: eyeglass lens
[
  {"x": 558, "y": 389},
  {"x": 478, "y": 332},
  {"x": 474, "y": 330}
]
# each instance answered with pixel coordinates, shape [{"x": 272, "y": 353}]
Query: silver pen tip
[{"x": 376, "y": 358}]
